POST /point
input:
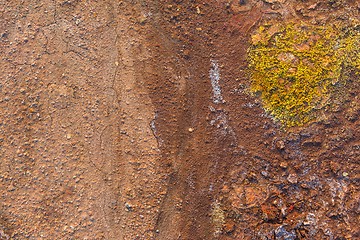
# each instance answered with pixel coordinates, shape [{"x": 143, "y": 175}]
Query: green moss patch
[{"x": 294, "y": 67}]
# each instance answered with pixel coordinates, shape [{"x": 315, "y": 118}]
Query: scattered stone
[
  {"x": 198, "y": 11},
  {"x": 186, "y": 53},
  {"x": 292, "y": 178},
  {"x": 313, "y": 6},
  {"x": 128, "y": 207},
  {"x": 225, "y": 189},
  {"x": 229, "y": 226},
  {"x": 274, "y": 1},
  {"x": 284, "y": 164},
  {"x": 270, "y": 212},
  {"x": 282, "y": 234},
  {"x": 335, "y": 166},
  {"x": 286, "y": 57},
  {"x": 237, "y": 8},
  {"x": 265, "y": 173},
  {"x": 280, "y": 145}
]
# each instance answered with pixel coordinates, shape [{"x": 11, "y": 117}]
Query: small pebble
[
  {"x": 283, "y": 165},
  {"x": 292, "y": 178}
]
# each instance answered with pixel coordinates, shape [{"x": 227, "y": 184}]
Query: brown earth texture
[{"x": 135, "y": 120}]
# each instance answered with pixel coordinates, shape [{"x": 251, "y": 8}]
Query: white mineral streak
[
  {"x": 155, "y": 131},
  {"x": 215, "y": 78}
]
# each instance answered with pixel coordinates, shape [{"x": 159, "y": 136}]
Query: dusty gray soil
[{"x": 131, "y": 120}]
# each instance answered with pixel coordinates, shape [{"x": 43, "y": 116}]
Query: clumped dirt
[{"x": 132, "y": 120}]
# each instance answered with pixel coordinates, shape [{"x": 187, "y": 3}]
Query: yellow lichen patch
[
  {"x": 294, "y": 65},
  {"x": 350, "y": 47}
]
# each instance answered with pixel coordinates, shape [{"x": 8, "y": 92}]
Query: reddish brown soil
[{"x": 110, "y": 128}]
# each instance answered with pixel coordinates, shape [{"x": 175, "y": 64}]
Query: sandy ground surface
[{"x": 131, "y": 120}]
